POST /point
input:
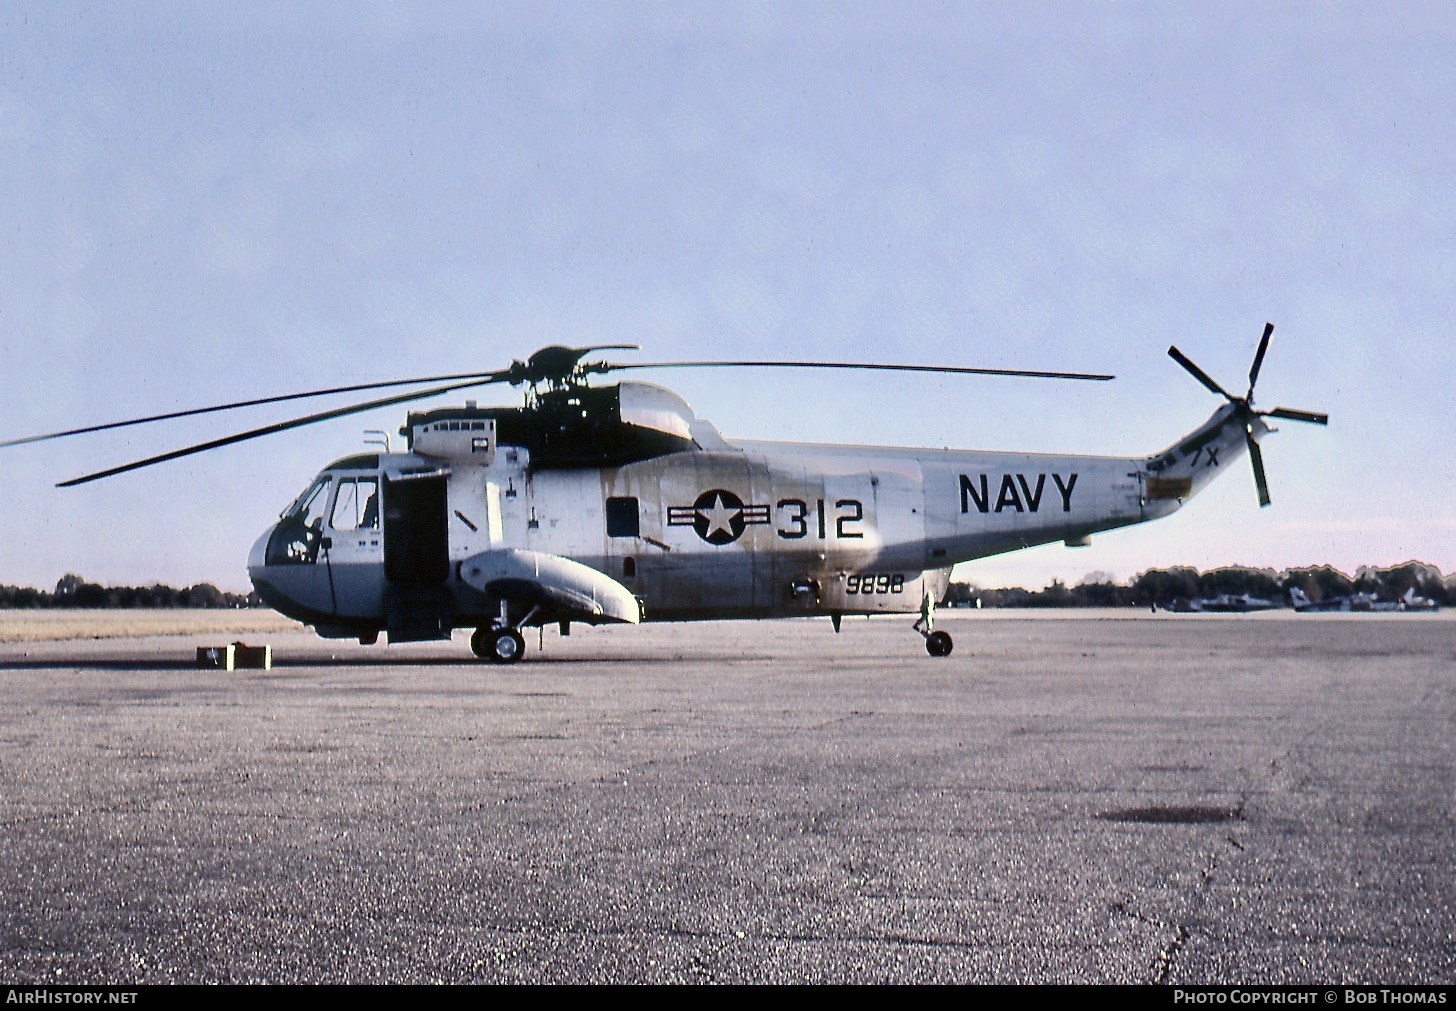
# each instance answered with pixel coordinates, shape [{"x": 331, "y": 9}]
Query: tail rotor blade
[
  {"x": 1288, "y": 413},
  {"x": 1256, "y": 457},
  {"x": 1259, "y": 358},
  {"x": 1197, "y": 373}
]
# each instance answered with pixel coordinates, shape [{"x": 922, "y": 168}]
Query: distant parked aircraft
[
  {"x": 1409, "y": 601},
  {"x": 1413, "y": 601},
  {"x": 1223, "y": 603}
]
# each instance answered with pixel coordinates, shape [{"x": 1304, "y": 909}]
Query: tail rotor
[{"x": 1244, "y": 407}]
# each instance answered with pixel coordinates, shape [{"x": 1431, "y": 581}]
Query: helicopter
[{"x": 616, "y": 504}]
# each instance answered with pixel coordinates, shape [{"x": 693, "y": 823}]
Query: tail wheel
[
  {"x": 498, "y": 645},
  {"x": 939, "y": 644}
]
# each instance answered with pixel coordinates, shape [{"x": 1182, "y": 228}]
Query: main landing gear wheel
[
  {"x": 939, "y": 644},
  {"x": 498, "y": 645}
]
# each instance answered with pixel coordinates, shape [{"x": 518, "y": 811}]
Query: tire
[
  {"x": 939, "y": 644},
  {"x": 498, "y": 645}
]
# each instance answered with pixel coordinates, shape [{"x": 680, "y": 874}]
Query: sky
[{"x": 207, "y": 202}]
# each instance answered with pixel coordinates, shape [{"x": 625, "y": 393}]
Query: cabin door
[{"x": 417, "y": 556}]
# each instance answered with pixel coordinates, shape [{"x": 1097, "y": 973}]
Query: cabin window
[
  {"x": 623, "y": 519},
  {"x": 629, "y": 567},
  {"x": 356, "y": 506}
]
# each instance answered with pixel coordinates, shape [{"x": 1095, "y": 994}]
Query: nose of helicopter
[
  {"x": 272, "y": 581},
  {"x": 256, "y": 566},
  {"x": 258, "y": 572}
]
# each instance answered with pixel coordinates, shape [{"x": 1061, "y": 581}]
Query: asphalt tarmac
[{"x": 1139, "y": 799}]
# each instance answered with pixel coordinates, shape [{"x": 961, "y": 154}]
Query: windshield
[
  {"x": 295, "y": 540},
  {"x": 310, "y": 505}
]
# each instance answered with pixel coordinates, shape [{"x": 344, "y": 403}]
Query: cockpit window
[
  {"x": 356, "y": 505},
  {"x": 311, "y": 503},
  {"x": 296, "y": 538}
]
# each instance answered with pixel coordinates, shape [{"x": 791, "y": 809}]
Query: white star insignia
[{"x": 719, "y": 517}]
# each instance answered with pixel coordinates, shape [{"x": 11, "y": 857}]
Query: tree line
[
  {"x": 74, "y": 591},
  {"x": 1161, "y": 586},
  {"x": 1155, "y": 586}
]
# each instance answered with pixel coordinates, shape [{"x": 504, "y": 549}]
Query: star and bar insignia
[{"x": 718, "y": 516}]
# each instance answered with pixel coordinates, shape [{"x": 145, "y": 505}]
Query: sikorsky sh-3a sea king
[{"x": 615, "y": 503}]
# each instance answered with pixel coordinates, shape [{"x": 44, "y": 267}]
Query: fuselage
[{"x": 708, "y": 529}]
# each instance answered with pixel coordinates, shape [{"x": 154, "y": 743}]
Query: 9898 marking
[{"x": 874, "y": 582}]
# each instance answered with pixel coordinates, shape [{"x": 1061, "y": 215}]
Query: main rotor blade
[
  {"x": 1256, "y": 457},
  {"x": 1259, "y": 358},
  {"x": 1197, "y": 373},
  {"x": 1313, "y": 417},
  {"x": 191, "y": 412},
  {"x": 281, "y": 426},
  {"x": 948, "y": 369}
]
